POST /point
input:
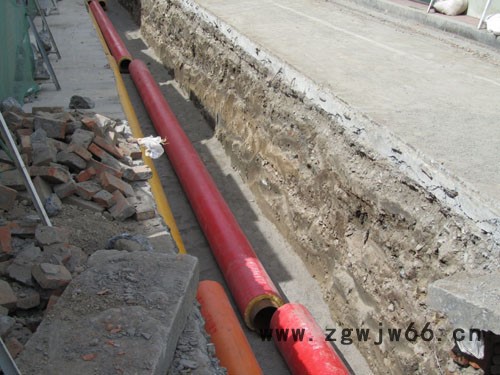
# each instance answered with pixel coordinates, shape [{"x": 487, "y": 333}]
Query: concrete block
[
  {"x": 71, "y": 160},
  {"x": 7, "y": 297},
  {"x": 87, "y": 189},
  {"x": 469, "y": 301},
  {"x": 7, "y": 197},
  {"x": 53, "y": 127},
  {"x": 45, "y": 235},
  {"x": 65, "y": 190},
  {"x": 12, "y": 179},
  {"x": 82, "y": 138},
  {"x": 54, "y": 174},
  {"x": 144, "y": 323},
  {"x": 86, "y": 174},
  {"x": 5, "y": 239},
  {"x": 104, "y": 198},
  {"x": 122, "y": 209},
  {"x": 84, "y": 204},
  {"x": 137, "y": 173},
  {"x": 112, "y": 183},
  {"x": 51, "y": 276}
]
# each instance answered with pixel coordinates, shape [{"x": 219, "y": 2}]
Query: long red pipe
[
  {"x": 113, "y": 40},
  {"x": 250, "y": 285},
  {"x": 310, "y": 354}
]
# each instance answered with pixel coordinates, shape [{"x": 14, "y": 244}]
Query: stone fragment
[
  {"x": 51, "y": 276},
  {"x": 53, "y": 127},
  {"x": 53, "y": 205},
  {"x": 43, "y": 153},
  {"x": 137, "y": 173},
  {"x": 12, "y": 179},
  {"x": 20, "y": 269},
  {"x": 71, "y": 160},
  {"x": 66, "y": 189},
  {"x": 5, "y": 239},
  {"x": 7, "y": 197},
  {"x": 88, "y": 189},
  {"x": 82, "y": 138},
  {"x": 6, "y": 325},
  {"x": 14, "y": 346},
  {"x": 84, "y": 204},
  {"x": 7, "y": 297},
  {"x": 46, "y": 235},
  {"x": 27, "y": 298},
  {"x": 104, "y": 198},
  {"x": 81, "y": 102},
  {"x": 122, "y": 209}
]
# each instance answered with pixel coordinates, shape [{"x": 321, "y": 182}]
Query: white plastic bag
[
  {"x": 451, "y": 7},
  {"x": 493, "y": 23},
  {"x": 153, "y": 146}
]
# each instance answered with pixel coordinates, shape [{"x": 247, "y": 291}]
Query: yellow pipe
[{"x": 156, "y": 188}]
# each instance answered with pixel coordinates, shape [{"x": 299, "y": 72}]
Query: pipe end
[
  {"x": 123, "y": 64},
  {"x": 260, "y": 310}
]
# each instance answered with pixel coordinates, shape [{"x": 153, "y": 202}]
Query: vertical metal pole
[
  {"x": 7, "y": 364},
  {"x": 24, "y": 172},
  {"x": 481, "y": 20},
  {"x": 46, "y": 25}
]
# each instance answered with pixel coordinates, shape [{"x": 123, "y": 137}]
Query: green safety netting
[{"x": 16, "y": 57}]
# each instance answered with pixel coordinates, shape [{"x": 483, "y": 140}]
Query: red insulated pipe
[
  {"x": 254, "y": 292},
  {"x": 113, "y": 40},
  {"x": 309, "y": 355}
]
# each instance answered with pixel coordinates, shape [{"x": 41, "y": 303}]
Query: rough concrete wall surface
[{"x": 373, "y": 236}]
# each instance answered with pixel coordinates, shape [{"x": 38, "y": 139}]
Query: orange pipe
[{"x": 231, "y": 345}]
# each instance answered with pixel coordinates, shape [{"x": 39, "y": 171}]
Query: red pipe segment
[
  {"x": 113, "y": 40},
  {"x": 231, "y": 345},
  {"x": 254, "y": 292},
  {"x": 311, "y": 354}
]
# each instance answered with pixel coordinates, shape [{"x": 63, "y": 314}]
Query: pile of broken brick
[
  {"x": 91, "y": 162},
  {"x": 86, "y": 160}
]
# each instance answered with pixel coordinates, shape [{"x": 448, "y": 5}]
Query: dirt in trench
[{"x": 372, "y": 237}]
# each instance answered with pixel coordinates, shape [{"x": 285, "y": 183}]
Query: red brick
[
  {"x": 22, "y": 228},
  {"x": 14, "y": 346},
  {"x": 92, "y": 124},
  {"x": 80, "y": 151},
  {"x": 53, "y": 174},
  {"x": 108, "y": 146},
  {"x": 112, "y": 183},
  {"x": 7, "y": 197},
  {"x": 122, "y": 209},
  {"x": 5, "y": 239},
  {"x": 105, "y": 157},
  {"x": 86, "y": 174},
  {"x": 52, "y": 301},
  {"x": 101, "y": 168}
]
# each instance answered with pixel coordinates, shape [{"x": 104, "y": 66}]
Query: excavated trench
[{"x": 372, "y": 237}]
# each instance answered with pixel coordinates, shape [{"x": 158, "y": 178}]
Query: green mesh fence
[{"x": 16, "y": 57}]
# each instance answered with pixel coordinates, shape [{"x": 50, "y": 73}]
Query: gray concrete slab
[
  {"x": 83, "y": 68},
  {"x": 124, "y": 314},
  {"x": 429, "y": 96},
  {"x": 469, "y": 301}
]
